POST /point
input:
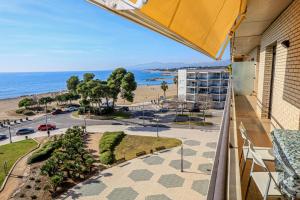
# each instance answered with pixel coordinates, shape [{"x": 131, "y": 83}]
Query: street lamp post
[
  {"x": 157, "y": 126},
  {"x": 143, "y": 114},
  {"x": 84, "y": 119},
  {"x": 48, "y": 132},
  {"x": 181, "y": 152},
  {"x": 10, "y": 141},
  {"x": 189, "y": 119}
]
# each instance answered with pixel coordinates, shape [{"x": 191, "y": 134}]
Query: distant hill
[{"x": 160, "y": 65}]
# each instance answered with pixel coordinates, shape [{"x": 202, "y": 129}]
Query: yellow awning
[{"x": 204, "y": 25}]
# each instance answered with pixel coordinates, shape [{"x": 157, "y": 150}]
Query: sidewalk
[{"x": 155, "y": 176}]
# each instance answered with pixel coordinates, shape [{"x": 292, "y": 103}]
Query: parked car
[
  {"x": 3, "y": 137},
  {"x": 57, "y": 111},
  {"x": 43, "y": 127},
  {"x": 163, "y": 110},
  {"x": 24, "y": 131},
  {"x": 195, "y": 109},
  {"x": 71, "y": 109},
  {"x": 124, "y": 108}
]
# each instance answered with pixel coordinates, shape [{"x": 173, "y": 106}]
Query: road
[{"x": 63, "y": 121}]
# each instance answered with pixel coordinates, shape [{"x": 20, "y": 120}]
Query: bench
[
  {"x": 141, "y": 153},
  {"x": 160, "y": 148}
]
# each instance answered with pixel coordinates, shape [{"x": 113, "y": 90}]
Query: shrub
[
  {"x": 20, "y": 111},
  {"x": 107, "y": 110},
  {"x": 81, "y": 111},
  {"x": 42, "y": 154},
  {"x": 28, "y": 113},
  {"x": 110, "y": 140},
  {"x": 107, "y": 157}
]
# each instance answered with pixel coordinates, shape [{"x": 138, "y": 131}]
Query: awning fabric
[{"x": 204, "y": 25}]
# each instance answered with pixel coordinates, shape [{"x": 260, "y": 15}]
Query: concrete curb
[{"x": 17, "y": 161}]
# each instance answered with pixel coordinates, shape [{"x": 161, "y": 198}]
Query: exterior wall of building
[
  {"x": 285, "y": 108},
  {"x": 199, "y": 86},
  {"x": 182, "y": 85}
]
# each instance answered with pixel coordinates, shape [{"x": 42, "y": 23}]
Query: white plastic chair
[
  {"x": 265, "y": 181},
  {"x": 265, "y": 152}
]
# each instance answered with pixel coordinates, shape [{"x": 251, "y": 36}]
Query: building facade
[
  {"x": 203, "y": 86},
  {"x": 277, "y": 59}
]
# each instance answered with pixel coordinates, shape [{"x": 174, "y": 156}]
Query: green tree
[
  {"x": 97, "y": 92},
  {"x": 27, "y": 102},
  {"x": 89, "y": 163},
  {"x": 71, "y": 97},
  {"x": 45, "y": 101},
  {"x": 128, "y": 85},
  {"x": 72, "y": 83},
  {"x": 83, "y": 90},
  {"x": 61, "y": 98},
  {"x": 50, "y": 167},
  {"x": 114, "y": 82},
  {"x": 56, "y": 180},
  {"x": 164, "y": 86},
  {"x": 88, "y": 76},
  {"x": 175, "y": 81}
]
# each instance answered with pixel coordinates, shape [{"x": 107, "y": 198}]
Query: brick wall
[{"x": 286, "y": 88}]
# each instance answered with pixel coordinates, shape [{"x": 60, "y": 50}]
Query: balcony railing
[{"x": 219, "y": 179}]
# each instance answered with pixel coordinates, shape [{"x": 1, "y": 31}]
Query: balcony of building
[
  {"x": 203, "y": 84},
  {"x": 214, "y": 76},
  {"x": 191, "y": 83},
  {"x": 258, "y": 131},
  {"x": 260, "y": 30},
  {"x": 202, "y": 76},
  {"x": 214, "y": 83}
]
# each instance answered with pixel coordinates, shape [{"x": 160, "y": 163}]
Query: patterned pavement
[{"x": 157, "y": 176}]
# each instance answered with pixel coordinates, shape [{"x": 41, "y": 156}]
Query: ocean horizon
[{"x": 17, "y": 84}]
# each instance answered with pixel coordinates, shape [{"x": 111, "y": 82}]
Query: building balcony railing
[
  {"x": 217, "y": 84},
  {"x": 219, "y": 180},
  {"x": 203, "y": 85}
]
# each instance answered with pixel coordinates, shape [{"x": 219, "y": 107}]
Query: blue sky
[{"x": 69, "y": 35}]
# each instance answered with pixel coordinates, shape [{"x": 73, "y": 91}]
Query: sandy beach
[{"x": 142, "y": 93}]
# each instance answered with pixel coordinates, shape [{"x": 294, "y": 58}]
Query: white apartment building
[{"x": 199, "y": 86}]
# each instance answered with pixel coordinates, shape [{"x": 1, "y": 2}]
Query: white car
[{"x": 71, "y": 109}]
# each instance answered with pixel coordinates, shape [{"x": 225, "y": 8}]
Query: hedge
[
  {"x": 20, "y": 111},
  {"x": 110, "y": 140},
  {"x": 107, "y": 144},
  {"x": 42, "y": 154},
  {"x": 107, "y": 157},
  {"x": 28, "y": 113}
]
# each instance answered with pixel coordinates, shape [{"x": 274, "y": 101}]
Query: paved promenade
[{"x": 158, "y": 176}]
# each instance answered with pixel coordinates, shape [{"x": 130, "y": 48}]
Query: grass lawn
[
  {"x": 195, "y": 123},
  {"x": 11, "y": 152},
  {"x": 121, "y": 115},
  {"x": 75, "y": 114},
  {"x": 132, "y": 144},
  {"x": 208, "y": 115}
]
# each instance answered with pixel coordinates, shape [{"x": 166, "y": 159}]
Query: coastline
[{"x": 142, "y": 93}]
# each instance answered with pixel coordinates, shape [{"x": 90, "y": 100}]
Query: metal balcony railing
[{"x": 219, "y": 179}]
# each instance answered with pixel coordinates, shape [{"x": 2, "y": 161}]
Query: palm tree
[
  {"x": 164, "y": 86},
  {"x": 175, "y": 81}
]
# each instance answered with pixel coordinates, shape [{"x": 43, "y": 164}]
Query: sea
[{"x": 31, "y": 83}]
